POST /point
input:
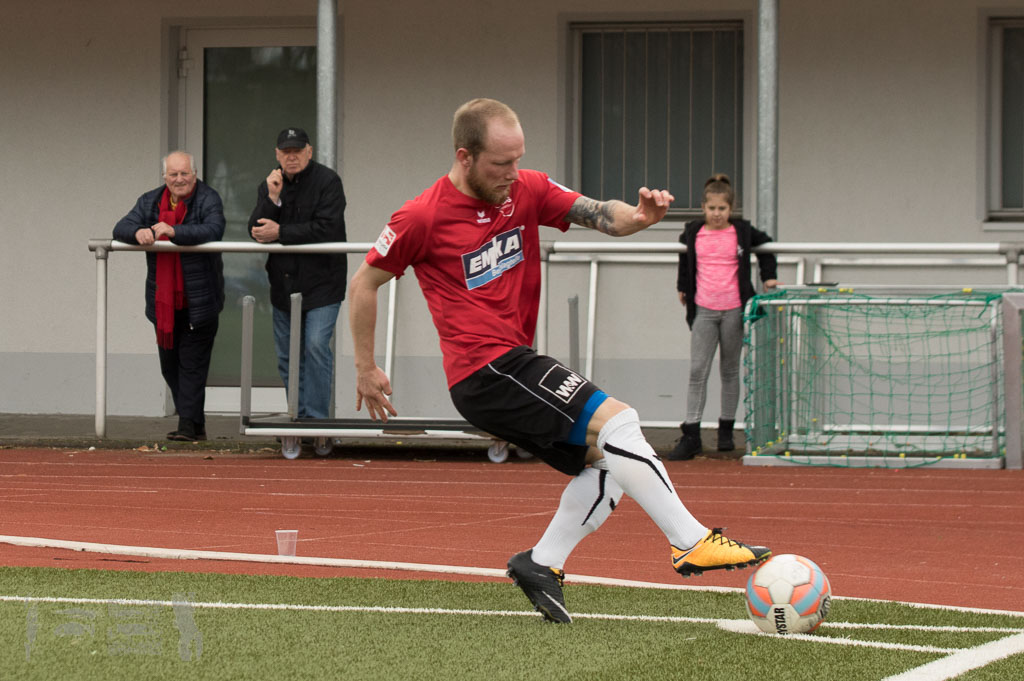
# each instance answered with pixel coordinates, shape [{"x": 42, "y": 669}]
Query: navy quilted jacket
[{"x": 203, "y": 272}]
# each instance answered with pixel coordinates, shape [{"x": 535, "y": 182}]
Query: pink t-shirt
[
  {"x": 718, "y": 284},
  {"x": 477, "y": 264}
]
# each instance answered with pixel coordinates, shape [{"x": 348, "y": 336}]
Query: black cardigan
[{"x": 747, "y": 236}]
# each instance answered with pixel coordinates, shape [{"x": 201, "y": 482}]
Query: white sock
[
  {"x": 633, "y": 464},
  {"x": 586, "y": 503}
]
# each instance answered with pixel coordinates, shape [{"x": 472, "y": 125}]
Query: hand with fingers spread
[{"x": 374, "y": 388}]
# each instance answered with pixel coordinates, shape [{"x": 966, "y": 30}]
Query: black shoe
[
  {"x": 725, "y": 441},
  {"x": 542, "y": 585},
  {"x": 188, "y": 431},
  {"x": 689, "y": 444}
]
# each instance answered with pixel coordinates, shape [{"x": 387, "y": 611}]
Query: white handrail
[{"x": 594, "y": 252}]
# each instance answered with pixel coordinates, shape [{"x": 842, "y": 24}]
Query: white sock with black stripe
[
  {"x": 635, "y": 466},
  {"x": 586, "y": 503}
]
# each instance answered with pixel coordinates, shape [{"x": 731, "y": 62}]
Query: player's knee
[{"x": 608, "y": 409}]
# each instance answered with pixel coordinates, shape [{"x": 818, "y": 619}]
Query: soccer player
[{"x": 472, "y": 240}]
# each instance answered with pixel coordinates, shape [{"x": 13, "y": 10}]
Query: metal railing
[{"x": 803, "y": 257}]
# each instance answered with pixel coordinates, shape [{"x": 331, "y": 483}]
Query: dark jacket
[
  {"x": 203, "y": 272},
  {"x": 312, "y": 210},
  {"x": 747, "y": 237}
]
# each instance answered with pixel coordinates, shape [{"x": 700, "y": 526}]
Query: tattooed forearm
[{"x": 599, "y": 215}]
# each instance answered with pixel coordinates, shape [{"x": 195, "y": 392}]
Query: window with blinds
[
  {"x": 1006, "y": 120},
  {"x": 660, "y": 105}
]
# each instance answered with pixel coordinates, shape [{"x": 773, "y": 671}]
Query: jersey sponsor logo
[
  {"x": 563, "y": 383},
  {"x": 493, "y": 259},
  {"x": 384, "y": 241},
  {"x": 480, "y": 219}
]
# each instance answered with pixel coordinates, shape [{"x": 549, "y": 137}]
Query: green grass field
[{"x": 89, "y": 624}]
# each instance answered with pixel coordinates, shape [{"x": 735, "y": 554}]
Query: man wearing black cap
[{"x": 303, "y": 202}]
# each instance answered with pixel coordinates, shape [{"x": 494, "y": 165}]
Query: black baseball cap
[{"x": 292, "y": 138}]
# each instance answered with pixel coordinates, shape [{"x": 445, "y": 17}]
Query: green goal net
[{"x": 835, "y": 377}]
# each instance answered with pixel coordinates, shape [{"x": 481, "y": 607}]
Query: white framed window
[
  {"x": 659, "y": 104},
  {"x": 1005, "y": 185}
]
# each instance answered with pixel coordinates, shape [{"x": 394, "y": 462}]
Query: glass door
[{"x": 241, "y": 87}]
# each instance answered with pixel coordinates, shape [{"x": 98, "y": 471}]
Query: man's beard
[{"x": 493, "y": 196}]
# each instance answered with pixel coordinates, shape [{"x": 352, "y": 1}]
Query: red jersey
[{"x": 478, "y": 264}]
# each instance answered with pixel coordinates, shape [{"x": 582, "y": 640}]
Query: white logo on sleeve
[{"x": 384, "y": 241}]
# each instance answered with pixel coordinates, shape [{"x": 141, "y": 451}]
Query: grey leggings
[{"x": 712, "y": 328}]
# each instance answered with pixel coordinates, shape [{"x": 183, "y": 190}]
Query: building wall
[{"x": 881, "y": 138}]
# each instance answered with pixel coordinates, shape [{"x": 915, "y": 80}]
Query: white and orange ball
[{"x": 789, "y": 594}]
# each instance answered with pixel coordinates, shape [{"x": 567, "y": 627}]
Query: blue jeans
[
  {"x": 713, "y": 329},
  {"x": 316, "y": 369}
]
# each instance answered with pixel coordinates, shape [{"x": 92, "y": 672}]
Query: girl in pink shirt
[{"x": 714, "y": 285}]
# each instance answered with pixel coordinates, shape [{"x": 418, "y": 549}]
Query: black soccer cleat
[{"x": 542, "y": 585}]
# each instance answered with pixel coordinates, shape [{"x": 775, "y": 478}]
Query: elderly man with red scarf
[{"x": 184, "y": 291}]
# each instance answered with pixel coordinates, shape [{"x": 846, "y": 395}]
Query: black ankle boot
[
  {"x": 688, "y": 445},
  {"x": 725, "y": 441},
  {"x": 188, "y": 431}
]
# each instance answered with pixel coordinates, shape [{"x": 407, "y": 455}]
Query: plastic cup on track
[{"x": 286, "y": 540}]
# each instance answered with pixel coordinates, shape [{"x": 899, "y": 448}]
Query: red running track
[{"x": 950, "y": 537}]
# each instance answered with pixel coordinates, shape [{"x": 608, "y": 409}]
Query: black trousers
[{"x": 186, "y": 366}]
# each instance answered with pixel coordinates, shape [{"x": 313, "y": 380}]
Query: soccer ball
[{"x": 789, "y": 594}]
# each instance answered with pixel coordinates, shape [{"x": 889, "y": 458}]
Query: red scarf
[{"x": 170, "y": 284}]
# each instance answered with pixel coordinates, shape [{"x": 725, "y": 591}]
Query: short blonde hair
[{"x": 469, "y": 129}]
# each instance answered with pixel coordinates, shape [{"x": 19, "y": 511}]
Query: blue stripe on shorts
[{"x": 578, "y": 434}]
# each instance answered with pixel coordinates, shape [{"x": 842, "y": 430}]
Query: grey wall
[{"x": 881, "y": 138}]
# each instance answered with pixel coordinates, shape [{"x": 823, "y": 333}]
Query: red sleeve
[
  {"x": 553, "y": 199},
  {"x": 399, "y": 242}
]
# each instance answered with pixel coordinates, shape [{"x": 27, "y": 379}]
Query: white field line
[
  {"x": 963, "y": 661},
  {"x": 190, "y": 554},
  {"x": 748, "y": 627},
  {"x": 735, "y": 626}
]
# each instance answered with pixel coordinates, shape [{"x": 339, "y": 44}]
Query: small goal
[{"x": 887, "y": 379}]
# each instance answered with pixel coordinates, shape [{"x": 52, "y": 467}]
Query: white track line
[{"x": 186, "y": 554}]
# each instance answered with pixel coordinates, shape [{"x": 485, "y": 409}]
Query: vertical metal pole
[
  {"x": 541, "y": 334},
  {"x": 1013, "y": 377},
  {"x": 592, "y": 319},
  {"x": 294, "y": 354},
  {"x": 245, "y": 397},
  {"x": 767, "y": 116},
  {"x": 327, "y": 116},
  {"x": 101, "y": 342},
  {"x": 994, "y": 339},
  {"x": 334, "y": 367},
  {"x": 327, "y": 83},
  {"x": 574, "y": 333},
  {"x": 389, "y": 338}
]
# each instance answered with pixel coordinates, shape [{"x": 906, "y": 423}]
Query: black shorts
[{"x": 533, "y": 402}]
